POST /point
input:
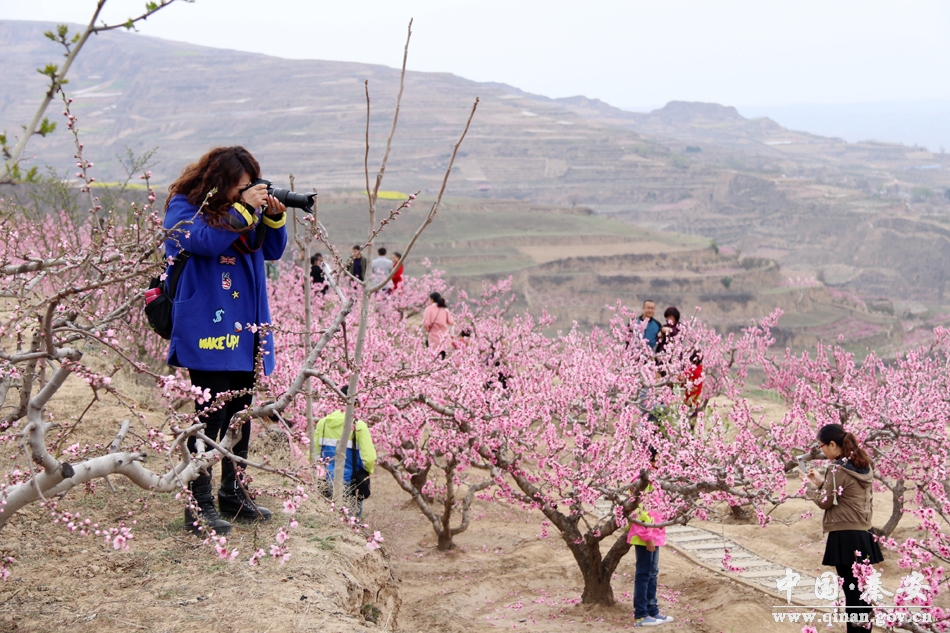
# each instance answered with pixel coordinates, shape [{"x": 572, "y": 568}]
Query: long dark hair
[
  {"x": 439, "y": 300},
  {"x": 848, "y": 443},
  {"x": 221, "y": 169}
]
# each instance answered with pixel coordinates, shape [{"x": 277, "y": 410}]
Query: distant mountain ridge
[
  {"x": 184, "y": 98},
  {"x": 813, "y": 204}
]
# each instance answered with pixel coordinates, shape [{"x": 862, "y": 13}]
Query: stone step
[
  {"x": 749, "y": 562},
  {"x": 765, "y": 573},
  {"x": 691, "y": 538},
  {"x": 677, "y": 529},
  {"x": 739, "y": 562},
  {"x": 708, "y": 546}
]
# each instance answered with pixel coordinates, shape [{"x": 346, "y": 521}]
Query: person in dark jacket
[
  {"x": 845, "y": 494},
  {"x": 317, "y": 276},
  {"x": 667, "y": 332},
  {"x": 357, "y": 266},
  {"x": 229, "y": 228}
]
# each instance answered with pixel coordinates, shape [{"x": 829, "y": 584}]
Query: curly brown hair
[{"x": 219, "y": 169}]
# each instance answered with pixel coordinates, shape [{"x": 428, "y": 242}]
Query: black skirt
[{"x": 842, "y": 545}]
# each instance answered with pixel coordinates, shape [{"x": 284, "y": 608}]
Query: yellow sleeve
[
  {"x": 367, "y": 451},
  {"x": 275, "y": 223},
  {"x": 643, "y": 516},
  {"x": 317, "y": 434},
  {"x": 246, "y": 213}
]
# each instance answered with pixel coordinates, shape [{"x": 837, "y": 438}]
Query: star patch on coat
[
  {"x": 227, "y": 261},
  {"x": 236, "y": 295},
  {"x": 226, "y": 281}
]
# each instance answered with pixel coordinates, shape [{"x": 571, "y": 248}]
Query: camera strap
[
  {"x": 249, "y": 241},
  {"x": 252, "y": 241}
]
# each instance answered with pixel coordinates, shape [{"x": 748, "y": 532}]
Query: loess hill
[{"x": 849, "y": 238}]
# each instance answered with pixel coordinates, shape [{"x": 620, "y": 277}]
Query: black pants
[
  {"x": 852, "y": 598},
  {"x": 217, "y": 421}
]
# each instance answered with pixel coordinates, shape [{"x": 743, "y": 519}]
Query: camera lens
[{"x": 293, "y": 199}]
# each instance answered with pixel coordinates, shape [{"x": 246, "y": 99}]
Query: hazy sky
[{"x": 630, "y": 53}]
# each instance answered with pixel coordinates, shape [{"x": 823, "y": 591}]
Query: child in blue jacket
[{"x": 220, "y": 301}]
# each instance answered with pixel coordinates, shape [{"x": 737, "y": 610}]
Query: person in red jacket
[
  {"x": 397, "y": 276},
  {"x": 694, "y": 376}
]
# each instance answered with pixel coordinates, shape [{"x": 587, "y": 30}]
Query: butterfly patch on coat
[
  {"x": 226, "y": 281},
  {"x": 227, "y": 261}
]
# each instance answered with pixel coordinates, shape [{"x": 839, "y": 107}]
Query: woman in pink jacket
[{"x": 436, "y": 321}]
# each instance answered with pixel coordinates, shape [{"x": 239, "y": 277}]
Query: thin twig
[{"x": 435, "y": 206}]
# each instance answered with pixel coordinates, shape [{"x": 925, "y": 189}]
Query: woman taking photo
[
  {"x": 228, "y": 228},
  {"x": 845, "y": 495}
]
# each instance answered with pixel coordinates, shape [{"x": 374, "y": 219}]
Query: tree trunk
[
  {"x": 739, "y": 513},
  {"x": 445, "y": 541},
  {"x": 418, "y": 480},
  {"x": 597, "y": 589},
  {"x": 349, "y": 418},
  {"x": 597, "y": 576},
  {"x": 897, "y": 508}
]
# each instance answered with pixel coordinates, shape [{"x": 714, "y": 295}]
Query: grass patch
[
  {"x": 325, "y": 543},
  {"x": 763, "y": 394}
]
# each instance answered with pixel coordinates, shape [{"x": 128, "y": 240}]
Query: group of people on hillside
[
  {"x": 379, "y": 268},
  {"x": 656, "y": 334},
  {"x": 646, "y": 540},
  {"x": 659, "y": 337},
  {"x": 218, "y": 260}
]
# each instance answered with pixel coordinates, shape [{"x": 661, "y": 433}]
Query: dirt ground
[
  {"x": 168, "y": 582},
  {"x": 502, "y": 575}
]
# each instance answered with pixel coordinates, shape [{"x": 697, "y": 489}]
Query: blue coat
[
  {"x": 651, "y": 331},
  {"x": 220, "y": 292}
]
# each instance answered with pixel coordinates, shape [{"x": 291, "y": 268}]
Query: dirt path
[{"x": 709, "y": 550}]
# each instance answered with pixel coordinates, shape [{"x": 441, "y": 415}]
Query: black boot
[
  {"x": 204, "y": 499},
  {"x": 233, "y": 502}
]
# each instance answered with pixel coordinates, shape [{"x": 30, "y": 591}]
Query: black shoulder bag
[{"x": 160, "y": 297}]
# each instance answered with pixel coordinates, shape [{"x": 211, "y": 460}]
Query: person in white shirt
[{"x": 382, "y": 266}]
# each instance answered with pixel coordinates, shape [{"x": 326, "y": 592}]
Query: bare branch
[
  {"x": 435, "y": 206},
  {"x": 392, "y": 131}
]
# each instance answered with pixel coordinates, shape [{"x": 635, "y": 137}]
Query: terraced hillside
[
  {"x": 576, "y": 265},
  {"x": 867, "y": 219}
]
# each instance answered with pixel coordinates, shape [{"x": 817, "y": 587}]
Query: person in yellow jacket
[{"x": 360, "y": 454}]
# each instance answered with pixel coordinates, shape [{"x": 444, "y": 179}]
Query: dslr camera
[{"x": 289, "y": 198}]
